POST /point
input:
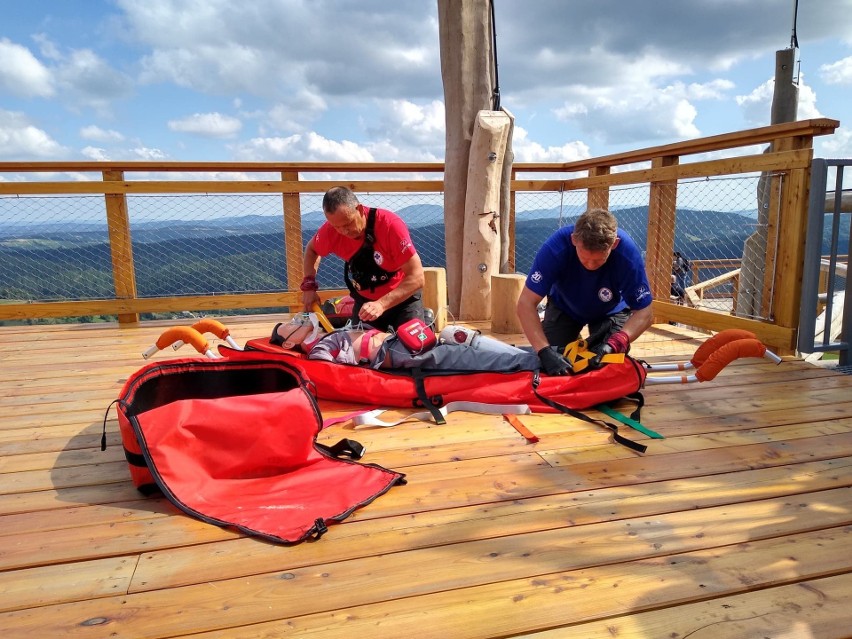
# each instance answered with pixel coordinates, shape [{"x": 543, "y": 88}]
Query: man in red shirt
[{"x": 383, "y": 271}]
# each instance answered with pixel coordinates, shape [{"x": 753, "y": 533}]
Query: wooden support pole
[{"x": 505, "y": 290}]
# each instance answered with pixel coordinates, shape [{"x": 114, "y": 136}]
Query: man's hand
[
  {"x": 371, "y": 310},
  {"x": 309, "y": 298},
  {"x": 552, "y": 362},
  {"x": 617, "y": 343}
]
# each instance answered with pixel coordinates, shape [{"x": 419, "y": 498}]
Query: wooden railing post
[
  {"x": 790, "y": 260},
  {"x": 662, "y": 207},
  {"x": 120, "y": 246},
  {"x": 293, "y": 249},
  {"x": 598, "y": 197}
]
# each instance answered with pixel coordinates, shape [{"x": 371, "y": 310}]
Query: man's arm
[
  {"x": 552, "y": 362},
  {"x": 310, "y": 266},
  {"x": 411, "y": 282},
  {"x": 527, "y": 310},
  {"x": 638, "y": 322}
]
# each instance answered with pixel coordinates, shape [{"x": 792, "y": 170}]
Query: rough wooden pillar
[
  {"x": 505, "y": 290},
  {"x": 481, "y": 247},
  {"x": 466, "y": 69},
  {"x": 435, "y": 294}
]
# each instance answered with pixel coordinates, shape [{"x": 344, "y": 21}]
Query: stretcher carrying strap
[
  {"x": 429, "y": 403},
  {"x": 632, "y": 420},
  {"x": 371, "y": 418},
  {"x": 620, "y": 439}
]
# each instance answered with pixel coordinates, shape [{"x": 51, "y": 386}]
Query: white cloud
[
  {"x": 297, "y": 112},
  {"x": 91, "y": 81},
  {"x": 838, "y": 145},
  {"x": 95, "y": 153},
  {"x": 210, "y": 125},
  {"x": 20, "y": 140},
  {"x": 620, "y": 117},
  {"x": 97, "y": 134},
  {"x": 757, "y": 105},
  {"x": 144, "y": 153},
  {"x": 411, "y": 126},
  {"x": 305, "y": 147},
  {"x": 21, "y": 73},
  {"x": 526, "y": 150},
  {"x": 839, "y": 72}
]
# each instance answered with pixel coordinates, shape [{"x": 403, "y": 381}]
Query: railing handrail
[{"x": 744, "y": 138}]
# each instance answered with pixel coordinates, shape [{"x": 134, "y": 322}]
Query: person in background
[
  {"x": 593, "y": 275},
  {"x": 382, "y": 269}
]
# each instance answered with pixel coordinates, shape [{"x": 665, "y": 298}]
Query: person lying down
[{"x": 457, "y": 348}]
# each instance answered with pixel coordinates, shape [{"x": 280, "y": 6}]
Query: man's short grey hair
[
  {"x": 338, "y": 196},
  {"x": 596, "y": 230}
]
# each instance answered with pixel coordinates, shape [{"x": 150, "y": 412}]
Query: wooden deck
[{"x": 737, "y": 525}]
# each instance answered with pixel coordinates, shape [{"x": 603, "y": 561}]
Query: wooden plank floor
[{"x": 738, "y": 524}]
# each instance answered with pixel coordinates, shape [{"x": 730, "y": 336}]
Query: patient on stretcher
[{"x": 457, "y": 348}]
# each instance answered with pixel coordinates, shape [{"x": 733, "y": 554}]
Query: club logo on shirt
[
  {"x": 536, "y": 277},
  {"x": 605, "y": 295},
  {"x": 378, "y": 258}
]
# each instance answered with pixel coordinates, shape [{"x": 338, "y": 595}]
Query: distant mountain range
[{"x": 245, "y": 253}]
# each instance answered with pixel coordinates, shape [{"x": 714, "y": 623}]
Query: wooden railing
[{"x": 659, "y": 167}]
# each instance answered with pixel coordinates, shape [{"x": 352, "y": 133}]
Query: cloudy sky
[{"x": 360, "y": 80}]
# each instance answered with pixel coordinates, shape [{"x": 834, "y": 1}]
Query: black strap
[
  {"x": 430, "y": 404},
  {"x": 365, "y": 264},
  {"x": 135, "y": 459},
  {"x": 344, "y": 448},
  {"x": 317, "y": 530},
  {"x": 619, "y": 439},
  {"x": 639, "y": 398},
  {"x": 106, "y": 415}
]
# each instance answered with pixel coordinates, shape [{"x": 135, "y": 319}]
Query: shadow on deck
[{"x": 738, "y": 523}]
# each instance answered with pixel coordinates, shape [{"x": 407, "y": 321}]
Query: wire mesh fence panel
[
  {"x": 205, "y": 244},
  {"x": 54, "y": 248}
]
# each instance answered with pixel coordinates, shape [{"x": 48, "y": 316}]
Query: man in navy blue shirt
[{"x": 593, "y": 275}]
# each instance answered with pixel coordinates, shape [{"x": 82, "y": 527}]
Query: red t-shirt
[{"x": 392, "y": 248}]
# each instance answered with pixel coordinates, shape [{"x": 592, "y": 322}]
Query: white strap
[{"x": 370, "y": 418}]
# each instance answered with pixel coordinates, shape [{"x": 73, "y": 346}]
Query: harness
[{"x": 361, "y": 272}]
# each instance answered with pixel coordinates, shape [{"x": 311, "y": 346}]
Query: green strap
[{"x": 605, "y": 408}]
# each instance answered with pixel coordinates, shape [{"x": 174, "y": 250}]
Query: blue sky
[{"x": 360, "y": 80}]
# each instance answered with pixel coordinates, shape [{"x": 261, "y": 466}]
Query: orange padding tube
[
  {"x": 727, "y": 354},
  {"x": 186, "y": 334},
  {"x": 212, "y": 326},
  {"x": 717, "y": 341}
]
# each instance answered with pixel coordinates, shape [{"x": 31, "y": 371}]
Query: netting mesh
[{"x": 58, "y": 248}]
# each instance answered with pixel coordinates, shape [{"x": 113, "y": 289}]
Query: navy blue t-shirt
[{"x": 586, "y": 295}]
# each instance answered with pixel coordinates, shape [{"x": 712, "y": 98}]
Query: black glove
[
  {"x": 600, "y": 351},
  {"x": 552, "y": 362},
  {"x": 617, "y": 343}
]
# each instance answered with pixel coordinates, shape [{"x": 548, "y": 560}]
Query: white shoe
[{"x": 455, "y": 334}]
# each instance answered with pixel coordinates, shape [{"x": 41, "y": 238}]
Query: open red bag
[{"x": 234, "y": 444}]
